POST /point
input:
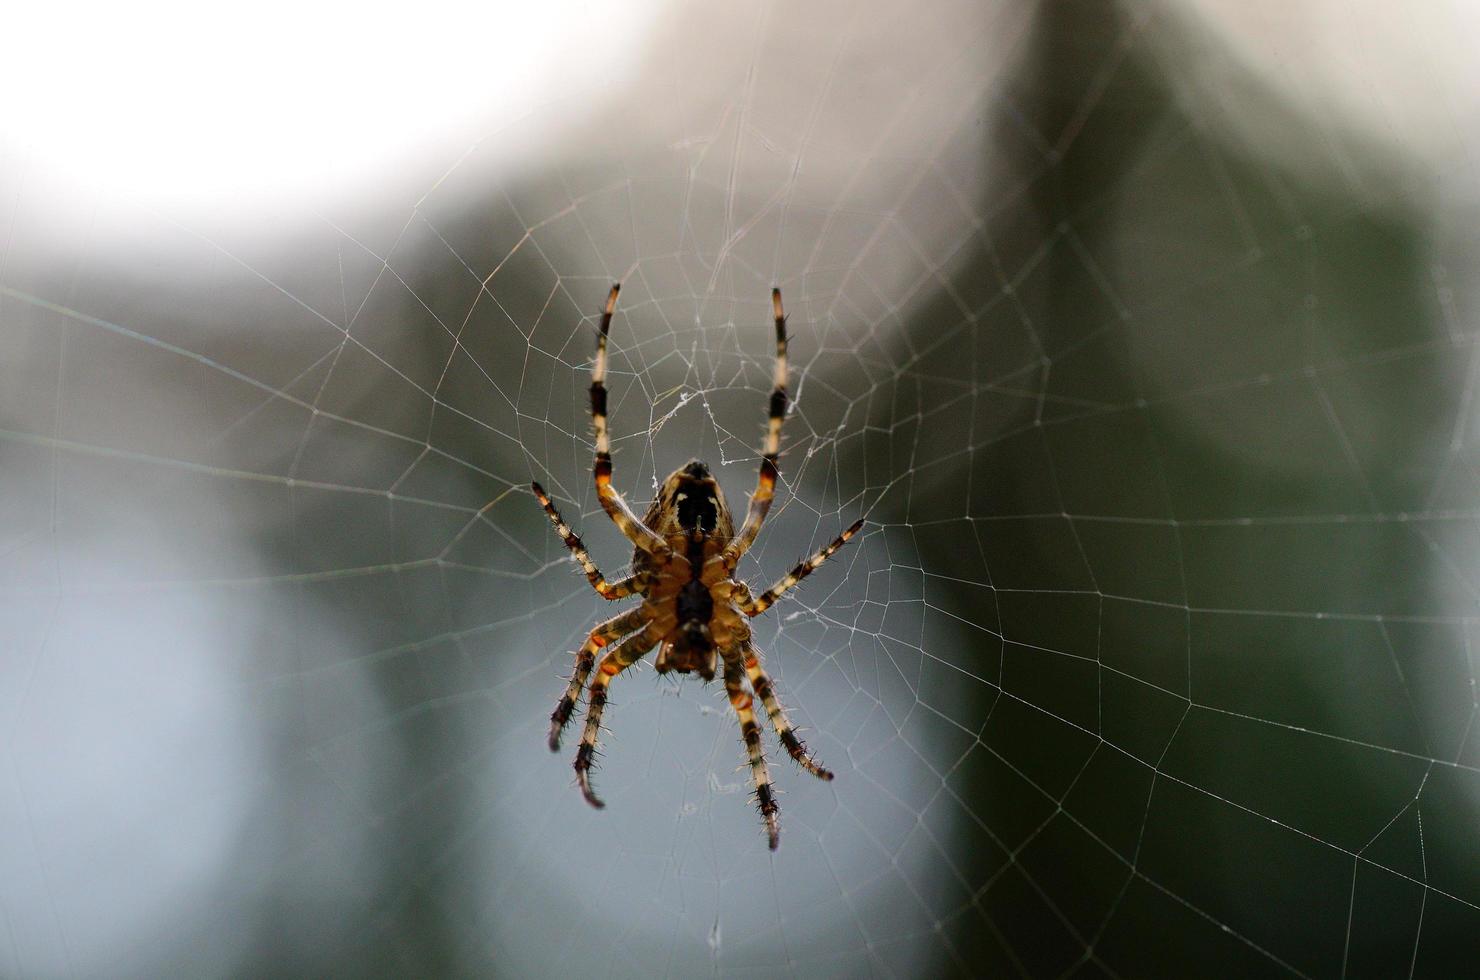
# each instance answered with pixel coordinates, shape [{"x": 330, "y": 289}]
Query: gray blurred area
[{"x": 1153, "y": 380}]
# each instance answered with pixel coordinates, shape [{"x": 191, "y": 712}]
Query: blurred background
[{"x": 1140, "y": 334}]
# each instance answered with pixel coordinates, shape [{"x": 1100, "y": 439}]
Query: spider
[{"x": 693, "y": 608}]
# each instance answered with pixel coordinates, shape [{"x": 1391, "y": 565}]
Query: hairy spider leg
[
  {"x": 766, "y": 690},
  {"x": 617, "y": 659},
  {"x": 754, "y": 607},
  {"x": 620, "y": 589},
  {"x": 765, "y": 488},
  {"x": 750, "y": 732},
  {"x": 607, "y": 632},
  {"x": 611, "y": 501}
]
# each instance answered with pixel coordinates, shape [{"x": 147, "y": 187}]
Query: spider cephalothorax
[{"x": 693, "y": 608}]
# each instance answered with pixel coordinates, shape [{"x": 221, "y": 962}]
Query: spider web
[{"x": 1153, "y": 658}]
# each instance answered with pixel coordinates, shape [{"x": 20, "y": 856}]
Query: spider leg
[
  {"x": 765, "y": 488},
  {"x": 750, "y": 732},
  {"x": 603, "y": 634},
  {"x": 620, "y": 589},
  {"x": 754, "y": 607},
  {"x": 766, "y": 689},
  {"x": 611, "y": 501},
  {"x": 617, "y": 659}
]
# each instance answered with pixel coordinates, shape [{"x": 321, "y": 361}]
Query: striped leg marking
[
  {"x": 631, "y": 585},
  {"x": 598, "y": 375},
  {"x": 766, "y": 690},
  {"x": 765, "y": 488},
  {"x": 607, "y": 632},
  {"x": 616, "y": 660},
  {"x": 768, "y": 598},
  {"x": 750, "y": 733},
  {"x": 611, "y": 501}
]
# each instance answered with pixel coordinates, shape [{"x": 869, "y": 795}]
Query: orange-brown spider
[{"x": 693, "y": 607}]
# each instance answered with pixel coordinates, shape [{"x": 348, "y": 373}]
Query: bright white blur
[
  {"x": 168, "y": 104},
  {"x": 1398, "y": 79}
]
